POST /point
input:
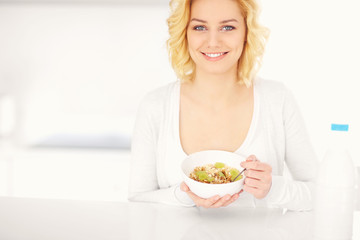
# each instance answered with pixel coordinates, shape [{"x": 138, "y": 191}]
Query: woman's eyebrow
[
  {"x": 222, "y": 22},
  {"x": 198, "y": 20},
  {"x": 229, "y": 20}
]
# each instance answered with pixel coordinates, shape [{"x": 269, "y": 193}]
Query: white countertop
[
  {"x": 40, "y": 219},
  {"x": 64, "y": 173},
  {"x": 51, "y": 194}
]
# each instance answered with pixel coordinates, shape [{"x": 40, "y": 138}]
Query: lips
[{"x": 215, "y": 56}]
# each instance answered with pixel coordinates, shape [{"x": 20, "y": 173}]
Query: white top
[{"x": 277, "y": 135}]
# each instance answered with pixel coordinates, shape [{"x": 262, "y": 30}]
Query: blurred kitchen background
[{"x": 72, "y": 73}]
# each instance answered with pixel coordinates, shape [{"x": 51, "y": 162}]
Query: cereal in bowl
[{"x": 217, "y": 173}]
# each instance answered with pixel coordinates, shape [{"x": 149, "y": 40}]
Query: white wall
[
  {"x": 314, "y": 49},
  {"x": 84, "y": 68}
]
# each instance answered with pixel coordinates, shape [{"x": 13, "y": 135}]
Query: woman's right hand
[{"x": 213, "y": 202}]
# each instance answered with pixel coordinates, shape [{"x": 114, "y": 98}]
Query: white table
[{"x": 40, "y": 219}]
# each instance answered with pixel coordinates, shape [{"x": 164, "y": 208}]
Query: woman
[{"x": 215, "y": 47}]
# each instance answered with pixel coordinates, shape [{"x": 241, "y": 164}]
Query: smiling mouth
[{"x": 214, "y": 55}]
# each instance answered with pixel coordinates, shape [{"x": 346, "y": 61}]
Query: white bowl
[{"x": 206, "y": 190}]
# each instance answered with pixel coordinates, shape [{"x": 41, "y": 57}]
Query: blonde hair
[{"x": 250, "y": 60}]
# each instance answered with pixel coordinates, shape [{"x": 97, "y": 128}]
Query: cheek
[
  {"x": 239, "y": 39},
  {"x": 194, "y": 40},
  {"x": 238, "y": 44},
  {"x": 193, "y": 47}
]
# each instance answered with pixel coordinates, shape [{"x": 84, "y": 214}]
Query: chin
[{"x": 217, "y": 70}]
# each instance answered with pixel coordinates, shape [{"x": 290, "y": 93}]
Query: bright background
[{"x": 72, "y": 74}]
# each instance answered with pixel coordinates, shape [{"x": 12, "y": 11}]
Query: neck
[{"x": 216, "y": 88}]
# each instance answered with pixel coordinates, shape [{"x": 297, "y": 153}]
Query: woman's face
[{"x": 216, "y": 34}]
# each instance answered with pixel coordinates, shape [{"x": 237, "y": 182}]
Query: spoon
[{"x": 239, "y": 174}]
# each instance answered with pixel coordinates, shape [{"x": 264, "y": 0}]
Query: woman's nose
[{"x": 214, "y": 39}]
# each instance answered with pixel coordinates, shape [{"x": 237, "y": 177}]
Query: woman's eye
[
  {"x": 199, "y": 28},
  {"x": 227, "y": 28}
]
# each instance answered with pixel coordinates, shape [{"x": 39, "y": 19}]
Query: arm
[
  {"x": 143, "y": 175},
  {"x": 296, "y": 194}
]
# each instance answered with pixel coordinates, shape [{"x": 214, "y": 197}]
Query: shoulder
[
  {"x": 270, "y": 86},
  {"x": 154, "y": 101},
  {"x": 271, "y": 90},
  {"x": 276, "y": 96}
]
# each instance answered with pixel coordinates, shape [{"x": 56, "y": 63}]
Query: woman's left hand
[
  {"x": 258, "y": 177},
  {"x": 212, "y": 202}
]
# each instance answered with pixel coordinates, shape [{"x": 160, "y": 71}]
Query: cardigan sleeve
[
  {"x": 143, "y": 185},
  {"x": 296, "y": 193}
]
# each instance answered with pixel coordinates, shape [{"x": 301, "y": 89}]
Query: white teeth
[{"x": 213, "y": 55}]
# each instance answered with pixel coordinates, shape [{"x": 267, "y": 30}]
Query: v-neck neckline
[{"x": 249, "y": 134}]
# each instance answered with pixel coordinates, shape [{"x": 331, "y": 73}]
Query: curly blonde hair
[{"x": 177, "y": 45}]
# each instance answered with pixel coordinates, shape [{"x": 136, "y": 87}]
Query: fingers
[
  {"x": 210, "y": 202},
  {"x": 184, "y": 187},
  {"x": 222, "y": 201},
  {"x": 259, "y": 175},
  {"x": 202, "y": 202},
  {"x": 213, "y": 202},
  {"x": 231, "y": 200},
  {"x": 196, "y": 199},
  {"x": 256, "y": 192},
  {"x": 250, "y": 190},
  {"x": 251, "y": 158},
  {"x": 255, "y": 183},
  {"x": 257, "y": 188},
  {"x": 256, "y": 165}
]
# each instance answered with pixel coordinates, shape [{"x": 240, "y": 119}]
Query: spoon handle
[{"x": 239, "y": 174}]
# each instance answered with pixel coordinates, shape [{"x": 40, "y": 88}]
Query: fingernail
[
  {"x": 227, "y": 197},
  {"x": 216, "y": 198}
]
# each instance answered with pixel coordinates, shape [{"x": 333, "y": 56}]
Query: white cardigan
[{"x": 277, "y": 136}]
